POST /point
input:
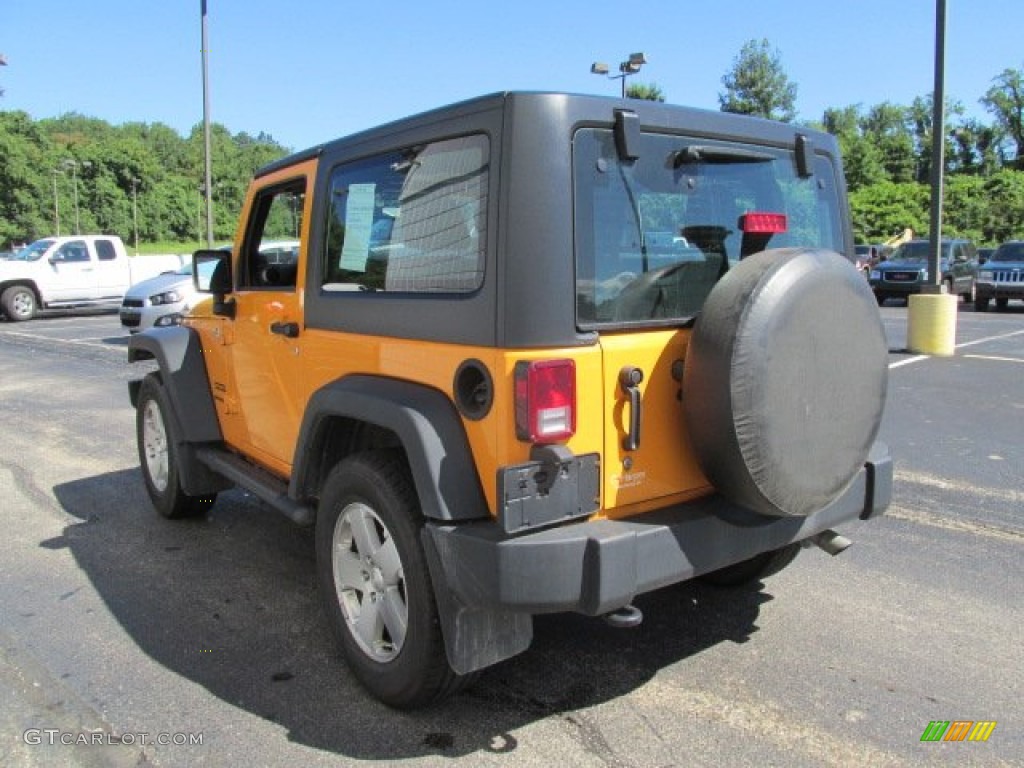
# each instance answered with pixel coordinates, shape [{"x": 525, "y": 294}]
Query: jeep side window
[
  {"x": 410, "y": 221},
  {"x": 270, "y": 253}
]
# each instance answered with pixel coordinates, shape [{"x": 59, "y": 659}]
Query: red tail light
[
  {"x": 545, "y": 400},
  {"x": 758, "y": 223}
]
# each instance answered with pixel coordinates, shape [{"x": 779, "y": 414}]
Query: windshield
[
  {"x": 653, "y": 235},
  {"x": 1009, "y": 252},
  {"x": 917, "y": 251},
  {"x": 34, "y": 251}
]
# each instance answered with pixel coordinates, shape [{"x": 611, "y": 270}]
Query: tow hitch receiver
[{"x": 624, "y": 618}]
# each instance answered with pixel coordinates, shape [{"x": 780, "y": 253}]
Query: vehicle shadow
[{"x": 229, "y": 601}]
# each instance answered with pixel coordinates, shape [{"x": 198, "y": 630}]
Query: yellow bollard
[{"x": 931, "y": 324}]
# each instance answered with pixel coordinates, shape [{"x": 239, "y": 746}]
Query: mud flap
[{"x": 474, "y": 638}]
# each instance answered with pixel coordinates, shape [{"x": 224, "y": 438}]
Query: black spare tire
[{"x": 785, "y": 380}]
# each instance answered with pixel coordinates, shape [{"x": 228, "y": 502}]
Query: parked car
[
  {"x": 1002, "y": 277},
  {"x": 65, "y": 272},
  {"x": 163, "y": 300},
  {"x": 905, "y": 272},
  {"x": 866, "y": 257},
  {"x": 159, "y": 301}
]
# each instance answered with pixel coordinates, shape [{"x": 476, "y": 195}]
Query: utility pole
[{"x": 207, "y": 177}]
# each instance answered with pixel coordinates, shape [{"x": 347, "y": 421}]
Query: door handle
[
  {"x": 288, "y": 330},
  {"x": 629, "y": 380}
]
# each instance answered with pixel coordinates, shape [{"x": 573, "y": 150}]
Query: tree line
[{"x": 77, "y": 172}]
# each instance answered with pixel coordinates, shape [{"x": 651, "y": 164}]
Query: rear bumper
[{"x": 595, "y": 567}]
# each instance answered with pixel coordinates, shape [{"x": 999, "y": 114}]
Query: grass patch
[{"x": 170, "y": 246}]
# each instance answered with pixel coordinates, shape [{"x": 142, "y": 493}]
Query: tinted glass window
[
  {"x": 409, "y": 221},
  {"x": 917, "y": 250},
  {"x": 71, "y": 251},
  {"x": 105, "y": 250},
  {"x": 654, "y": 234},
  {"x": 1009, "y": 252}
]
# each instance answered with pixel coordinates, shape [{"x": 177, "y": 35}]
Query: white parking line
[
  {"x": 965, "y": 345},
  {"x": 75, "y": 342},
  {"x": 995, "y": 359}
]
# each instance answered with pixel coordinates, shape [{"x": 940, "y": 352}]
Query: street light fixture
[
  {"x": 74, "y": 165},
  {"x": 629, "y": 67}
]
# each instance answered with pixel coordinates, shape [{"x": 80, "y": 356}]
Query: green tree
[
  {"x": 885, "y": 126},
  {"x": 1003, "y": 195},
  {"x": 757, "y": 84},
  {"x": 645, "y": 91},
  {"x": 976, "y": 148},
  {"x": 1005, "y": 100},
  {"x": 920, "y": 117},
  {"x": 882, "y": 210},
  {"x": 862, "y": 160}
]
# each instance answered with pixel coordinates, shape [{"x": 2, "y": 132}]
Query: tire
[
  {"x": 755, "y": 569},
  {"x": 880, "y": 298},
  {"x": 1002, "y": 304},
  {"x": 980, "y": 305},
  {"x": 19, "y": 303},
  {"x": 375, "y": 583},
  {"x": 785, "y": 381},
  {"x": 158, "y": 455}
]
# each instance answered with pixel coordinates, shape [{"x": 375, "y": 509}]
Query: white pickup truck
[{"x": 75, "y": 271}]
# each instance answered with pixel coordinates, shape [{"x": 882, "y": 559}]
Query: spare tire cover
[{"x": 785, "y": 380}]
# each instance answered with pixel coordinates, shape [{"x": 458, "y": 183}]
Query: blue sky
[{"x": 308, "y": 71}]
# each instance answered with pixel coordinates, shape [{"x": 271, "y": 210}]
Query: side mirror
[{"x": 211, "y": 273}]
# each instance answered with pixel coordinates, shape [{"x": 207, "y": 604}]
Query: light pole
[
  {"x": 629, "y": 67},
  {"x": 135, "y": 212},
  {"x": 56, "y": 200},
  {"x": 206, "y": 131},
  {"x": 73, "y": 165}
]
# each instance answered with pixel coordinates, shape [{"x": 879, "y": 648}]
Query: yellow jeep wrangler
[{"x": 534, "y": 353}]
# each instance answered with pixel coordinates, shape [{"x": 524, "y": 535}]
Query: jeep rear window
[
  {"x": 409, "y": 221},
  {"x": 654, "y": 234}
]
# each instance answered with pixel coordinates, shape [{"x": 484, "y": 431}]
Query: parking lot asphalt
[{"x": 115, "y": 621}]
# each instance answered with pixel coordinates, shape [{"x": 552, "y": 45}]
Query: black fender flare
[
  {"x": 427, "y": 425},
  {"x": 179, "y": 353}
]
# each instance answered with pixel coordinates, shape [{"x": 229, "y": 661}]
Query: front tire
[
  {"x": 158, "y": 455},
  {"x": 375, "y": 583},
  {"x": 980, "y": 305},
  {"x": 19, "y": 303}
]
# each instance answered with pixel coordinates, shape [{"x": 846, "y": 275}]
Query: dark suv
[
  {"x": 1002, "y": 277},
  {"x": 906, "y": 271},
  {"x": 537, "y": 353}
]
